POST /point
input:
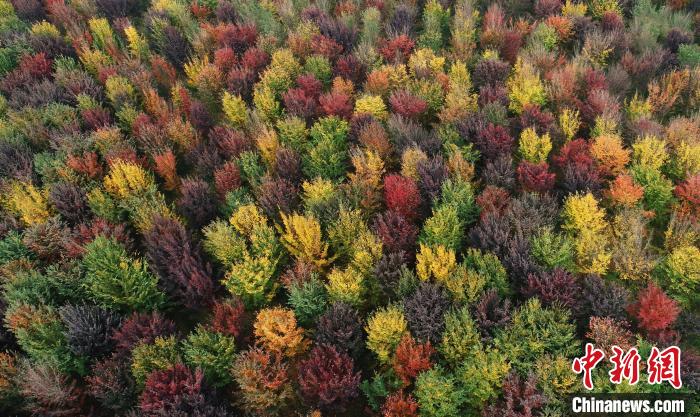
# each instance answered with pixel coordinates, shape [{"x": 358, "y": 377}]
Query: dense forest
[{"x": 344, "y": 208}]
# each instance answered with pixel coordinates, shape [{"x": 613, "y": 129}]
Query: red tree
[
  {"x": 412, "y": 358},
  {"x": 400, "y": 405},
  {"x": 535, "y": 177},
  {"x": 327, "y": 379},
  {"x": 654, "y": 311},
  {"x": 402, "y": 196},
  {"x": 407, "y": 104}
]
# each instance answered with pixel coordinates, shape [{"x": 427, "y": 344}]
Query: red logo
[
  {"x": 665, "y": 366},
  {"x": 662, "y": 366},
  {"x": 587, "y": 363}
]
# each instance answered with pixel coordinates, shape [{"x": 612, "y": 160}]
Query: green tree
[{"x": 117, "y": 281}]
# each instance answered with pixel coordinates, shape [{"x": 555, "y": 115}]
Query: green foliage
[
  {"x": 436, "y": 22},
  {"x": 53, "y": 287},
  {"x": 525, "y": 87},
  {"x": 438, "y": 394},
  {"x": 117, "y": 281},
  {"x": 252, "y": 279},
  {"x": 689, "y": 54},
  {"x": 379, "y": 387},
  {"x": 553, "y": 249},
  {"x": 12, "y": 248},
  {"x": 292, "y": 133},
  {"x": 533, "y": 147},
  {"x": 213, "y": 353},
  {"x": 650, "y": 23},
  {"x": 385, "y": 328},
  {"x": 544, "y": 35},
  {"x": 481, "y": 375},
  {"x": 251, "y": 167},
  {"x": 43, "y": 339},
  {"x": 320, "y": 67},
  {"x": 371, "y": 26},
  {"x": 235, "y": 109},
  {"x": 536, "y": 331},
  {"x": 157, "y": 356},
  {"x": 327, "y": 156},
  {"x": 460, "y": 194},
  {"x": 490, "y": 267},
  {"x": 308, "y": 300},
  {"x": 460, "y": 339},
  {"x": 443, "y": 228},
  {"x": 658, "y": 190},
  {"x": 680, "y": 271},
  {"x": 223, "y": 243}
]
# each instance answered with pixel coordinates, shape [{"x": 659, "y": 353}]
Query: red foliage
[
  {"x": 99, "y": 227},
  {"x": 288, "y": 165},
  {"x": 166, "y": 168},
  {"x": 407, "y": 105},
  {"x": 397, "y": 233},
  {"x": 606, "y": 332},
  {"x": 412, "y": 358},
  {"x": 535, "y": 177},
  {"x": 87, "y": 164},
  {"x": 255, "y": 59},
  {"x": 277, "y": 195},
  {"x": 230, "y": 143},
  {"x": 311, "y": 86},
  {"x": 533, "y": 116},
  {"x": 225, "y": 59},
  {"x": 111, "y": 383},
  {"x": 96, "y": 118},
  {"x": 240, "y": 80},
  {"x": 327, "y": 379},
  {"x": 399, "y": 405},
  {"x": 554, "y": 288},
  {"x": 688, "y": 192},
  {"x": 493, "y": 94},
  {"x": 512, "y": 41},
  {"x": 227, "y": 178},
  {"x": 199, "y": 11},
  {"x": 37, "y": 66},
  {"x": 184, "y": 275},
  {"x": 574, "y": 152},
  {"x": 544, "y": 8},
  {"x": 229, "y": 318},
  {"x": 612, "y": 21},
  {"x": 298, "y": 103},
  {"x": 141, "y": 328},
  {"x": 493, "y": 200},
  {"x": 176, "y": 391},
  {"x": 397, "y": 49},
  {"x": 237, "y": 37},
  {"x": 402, "y": 195},
  {"x": 297, "y": 274},
  {"x": 493, "y": 26},
  {"x": 323, "y": 45},
  {"x": 599, "y": 102},
  {"x": 163, "y": 72},
  {"x": 52, "y": 393},
  {"x": 520, "y": 398},
  {"x": 624, "y": 191},
  {"x": 336, "y": 104},
  {"x": 494, "y": 141},
  {"x": 593, "y": 80},
  {"x": 197, "y": 203},
  {"x": 350, "y": 68},
  {"x": 654, "y": 311}
]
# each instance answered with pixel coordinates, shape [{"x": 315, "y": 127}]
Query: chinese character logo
[
  {"x": 662, "y": 366},
  {"x": 587, "y": 363}
]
